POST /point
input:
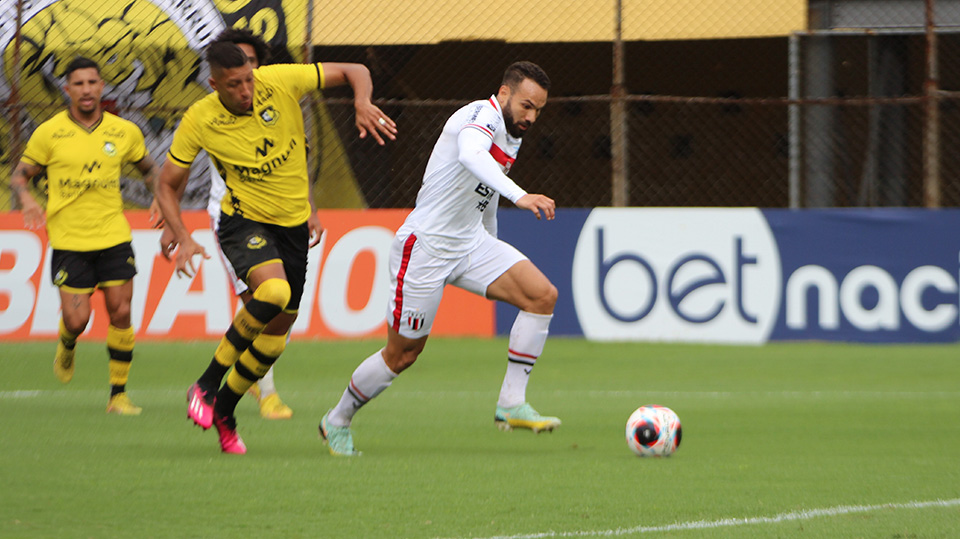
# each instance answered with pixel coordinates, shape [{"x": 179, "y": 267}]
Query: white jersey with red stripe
[{"x": 457, "y": 205}]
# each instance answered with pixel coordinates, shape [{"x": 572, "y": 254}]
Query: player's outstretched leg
[
  {"x": 267, "y": 302},
  {"x": 253, "y": 364},
  {"x": 527, "y": 338},
  {"x": 369, "y": 379}
]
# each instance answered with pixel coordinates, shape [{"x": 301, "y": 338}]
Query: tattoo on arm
[{"x": 18, "y": 180}]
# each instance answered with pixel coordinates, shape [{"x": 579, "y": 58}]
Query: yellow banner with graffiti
[{"x": 150, "y": 53}]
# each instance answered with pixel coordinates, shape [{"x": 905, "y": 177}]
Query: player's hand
[
  {"x": 156, "y": 216},
  {"x": 189, "y": 249},
  {"x": 34, "y": 217},
  {"x": 316, "y": 229},
  {"x": 370, "y": 119},
  {"x": 538, "y": 203},
  {"x": 168, "y": 243}
]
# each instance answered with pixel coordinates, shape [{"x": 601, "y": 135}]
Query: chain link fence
[{"x": 771, "y": 103}]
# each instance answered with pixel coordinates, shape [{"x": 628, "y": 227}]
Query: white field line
[{"x": 806, "y": 514}]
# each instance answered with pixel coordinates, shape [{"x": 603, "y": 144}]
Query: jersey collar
[
  {"x": 496, "y": 104},
  {"x": 90, "y": 129},
  {"x": 250, "y": 113}
]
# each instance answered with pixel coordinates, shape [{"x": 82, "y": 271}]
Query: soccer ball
[{"x": 653, "y": 431}]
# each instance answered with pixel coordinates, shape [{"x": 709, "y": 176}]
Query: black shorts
[
  {"x": 249, "y": 244},
  {"x": 80, "y": 272}
]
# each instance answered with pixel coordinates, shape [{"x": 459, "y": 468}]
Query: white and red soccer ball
[{"x": 653, "y": 431}]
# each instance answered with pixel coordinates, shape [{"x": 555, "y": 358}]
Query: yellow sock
[
  {"x": 268, "y": 300},
  {"x": 120, "y": 347},
  {"x": 68, "y": 339},
  {"x": 255, "y": 362}
]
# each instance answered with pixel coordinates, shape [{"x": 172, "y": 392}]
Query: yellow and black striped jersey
[
  {"x": 261, "y": 156},
  {"x": 83, "y": 165}
]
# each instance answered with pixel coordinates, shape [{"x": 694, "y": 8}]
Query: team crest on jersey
[
  {"x": 269, "y": 116},
  {"x": 256, "y": 242},
  {"x": 110, "y": 148},
  {"x": 413, "y": 319},
  {"x": 61, "y": 277}
]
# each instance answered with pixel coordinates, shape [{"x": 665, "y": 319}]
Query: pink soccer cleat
[
  {"x": 199, "y": 407},
  {"x": 230, "y": 441}
]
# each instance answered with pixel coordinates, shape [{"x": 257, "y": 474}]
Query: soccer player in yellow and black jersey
[
  {"x": 252, "y": 127},
  {"x": 82, "y": 150}
]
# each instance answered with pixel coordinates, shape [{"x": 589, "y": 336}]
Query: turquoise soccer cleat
[
  {"x": 338, "y": 439},
  {"x": 524, "y": 417}
]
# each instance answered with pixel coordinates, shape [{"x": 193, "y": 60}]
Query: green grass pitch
[{"x": 785, "y": 440}]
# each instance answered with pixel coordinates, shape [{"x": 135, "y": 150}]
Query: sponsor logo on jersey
[
  {"x": 63, "y": 133},
  {"x": 90, "y": 167},
  {"x": 262, "y": 150},
  {"x": 223, "y": 119},
  {"x": 269, "y": 116},
  {"x": 263, "y": 95},
  {"x": 110, "y": 149},
  {"x": 256, "y": 242}
]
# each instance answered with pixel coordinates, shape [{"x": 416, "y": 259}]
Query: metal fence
[{"x": 771, "y": 103}]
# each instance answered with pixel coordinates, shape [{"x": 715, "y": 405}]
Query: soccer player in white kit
[
  {"x": 451, "y": 238},
  {"x": 268, "y": 400}
]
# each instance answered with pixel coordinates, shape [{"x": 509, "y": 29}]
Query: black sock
[
  {"x": 226, "y": 402},
  {"x": 212, "y": 377}
]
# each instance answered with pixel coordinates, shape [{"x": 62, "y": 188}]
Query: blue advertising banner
[{"x": 745, "y": 275}]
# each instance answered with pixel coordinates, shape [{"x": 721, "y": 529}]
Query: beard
[
  {"x": 88, "y": 109},
  {"x": 512, "y": 126}
]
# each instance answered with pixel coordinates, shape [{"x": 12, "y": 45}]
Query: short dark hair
[
  {"x": 518, "y": 71},
  {"x": 247, "y": 37},
  {"x": 225, "y": 55},
  {"x": 80, "y": 62}
]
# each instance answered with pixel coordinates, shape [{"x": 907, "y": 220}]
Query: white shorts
[
  {"x": 239, "y": 287},
  {"x": 417, "y": 279}
]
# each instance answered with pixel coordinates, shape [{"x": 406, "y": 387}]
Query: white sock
[
  {"x": 266, "y": 384},
  {"x": 527, "y": 337},
  {"x": 369, "y": 380}
]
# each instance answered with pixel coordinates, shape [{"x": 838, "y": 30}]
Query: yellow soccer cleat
[
  {"x": 271, "y": 407},
  {"x": 120, "y": 404},
  {"x": 63, "y": 363}
]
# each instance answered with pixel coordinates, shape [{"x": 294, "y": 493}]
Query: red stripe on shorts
[{"x": 398, "y": 300}]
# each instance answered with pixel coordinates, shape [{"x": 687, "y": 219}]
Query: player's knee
[
  {"x": 120, "y": 315},
  {"x": 544, "y": 300},
  {"x": 400, "y": 356},
  {"x": 550, "y": 296},
  {"x": 273, "y": 291},
  {"x": 75, "y": 323}
]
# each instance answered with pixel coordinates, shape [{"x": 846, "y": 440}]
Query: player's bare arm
[
  {"x": 148, "y": 169},
  {"x": 313, "y": 222},
  {"x": 369, "y": 117},
  {"x": 536, "y": 204},
  {"x": 172, "y": 178},
  {"x": 33, "y": 214}
]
